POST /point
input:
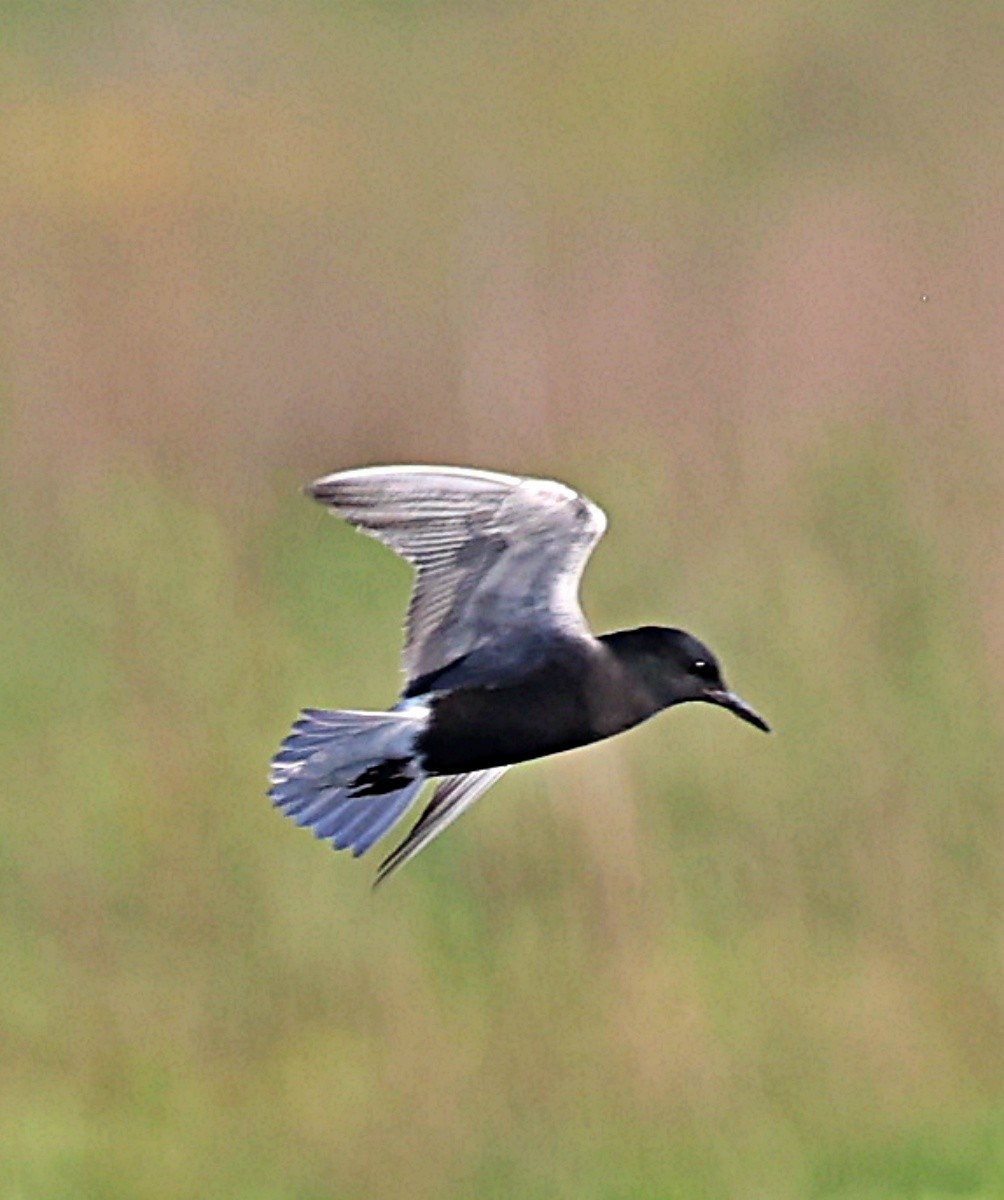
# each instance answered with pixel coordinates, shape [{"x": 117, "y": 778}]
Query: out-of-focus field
[{"x": 736, "y": 271}]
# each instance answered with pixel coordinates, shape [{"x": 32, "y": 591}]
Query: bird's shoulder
[{"x": 509, "y": 661}]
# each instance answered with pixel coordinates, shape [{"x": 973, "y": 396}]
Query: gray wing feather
[
  {"x": 453, "y": 796},
  {"x": 492, "y": 552}
]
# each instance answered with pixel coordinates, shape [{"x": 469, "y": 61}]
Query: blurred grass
[
  {"x": 691, "y": 960},
  {"x": 674, "y": 256}
]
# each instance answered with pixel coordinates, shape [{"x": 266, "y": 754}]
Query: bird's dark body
[{"x": 576, "y": 694}]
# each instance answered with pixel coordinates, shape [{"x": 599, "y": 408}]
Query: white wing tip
[
  {"x": 474, "y": 475},
  {"x": 406, "y": 470}
]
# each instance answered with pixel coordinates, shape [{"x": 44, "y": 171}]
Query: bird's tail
[{"x": 349, "y": 776}]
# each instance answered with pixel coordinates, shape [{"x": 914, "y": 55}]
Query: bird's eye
[{"x": 704, "y": 670}]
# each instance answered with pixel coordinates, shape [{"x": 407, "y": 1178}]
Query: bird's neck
[{"x": 637, "y": 652}]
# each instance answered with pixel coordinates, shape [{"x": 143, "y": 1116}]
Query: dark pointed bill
[{"x": 737, "y": 705}]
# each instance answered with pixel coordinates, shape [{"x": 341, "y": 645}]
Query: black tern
[{"x": 500, "y": 664}]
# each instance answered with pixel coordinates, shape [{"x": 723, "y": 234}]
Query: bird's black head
[{"x": 674, "y": 667}]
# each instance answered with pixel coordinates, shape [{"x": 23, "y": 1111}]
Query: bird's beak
[{"x": 736, "y": 705}]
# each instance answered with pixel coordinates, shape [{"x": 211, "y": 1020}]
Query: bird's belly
[{"x": 473, "y": 729}]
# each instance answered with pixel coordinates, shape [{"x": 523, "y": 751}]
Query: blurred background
[{"x": 734, "y": 270}]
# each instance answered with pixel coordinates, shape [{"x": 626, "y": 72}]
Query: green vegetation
[{"x": 692, "y": 962}]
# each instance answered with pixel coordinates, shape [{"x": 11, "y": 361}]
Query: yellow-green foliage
[{"x": 691, "y": 962}]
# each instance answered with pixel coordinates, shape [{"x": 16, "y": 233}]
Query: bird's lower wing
[{"x": 454, "y": 795}]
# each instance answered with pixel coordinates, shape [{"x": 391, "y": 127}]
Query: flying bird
[{"x": 500, "y": 665}]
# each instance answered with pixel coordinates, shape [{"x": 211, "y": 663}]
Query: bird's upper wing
[{"x": 493, "y": 553}]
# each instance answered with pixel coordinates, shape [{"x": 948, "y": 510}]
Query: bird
[{"x": 500, "y": 664}]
